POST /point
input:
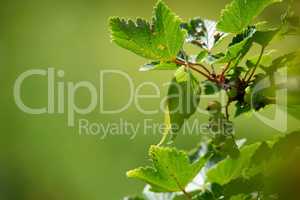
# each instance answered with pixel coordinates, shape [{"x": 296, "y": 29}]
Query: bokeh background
[{"x": 40, "y": 156}]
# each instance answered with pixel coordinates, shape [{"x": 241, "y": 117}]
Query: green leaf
[
  {"x": 171, "y": 170},
  {"x": 281, "y": 62},
  {"x": 211, "y": 59},
  {"x": 210, "y": 87},
  {"x": 286, "y": 145},
  {"x": 161, "y": 40},
  {"x": 257, "y": 164},
  {"x": 279, "y": 150},
  {"x": 159, "y": 66},
  {"x": 206, "y": 195},
  {"x": 241, "y": 197},
  {"x": 251, "y": 160},
  {"x": 256, "y": 97},
  {"x": 229, "y": 147},
  {"x": 201, "y": 56},
  {"x": 240, "y": 13},
  {"x": 266, "y": 60},
  {"x": 230, "y": 169},
  {"x": 259, "y": 160},
  {"x": 265, "y": 37},
  {"x": 239, "y": 46},
  {"x": 149, "y": 195},
  {"x": 203, "y": 33},
  {"x": 234, "y": 75},
  {"x": 242, "y": 108},
  {"x": 290, "y": 22},
  {"x": 262, "y": 154},
  {"x": 243, "y": 186},
  {"x": 183, "y": 98}
]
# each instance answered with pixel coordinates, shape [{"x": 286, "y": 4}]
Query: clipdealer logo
[{"x": 56, "y": 93}]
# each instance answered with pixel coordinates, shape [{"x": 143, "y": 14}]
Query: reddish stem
[{"x": 192, "y": 66}]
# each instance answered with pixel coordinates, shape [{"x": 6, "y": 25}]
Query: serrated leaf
[
  {"x": 250, "y": 163},
  {"x": 230, "y": 169},
  {"x": 161, "y": 40},
  {"x": 158, "y": 66},
  {"x": 240, "y": 13},
  {"x": 183, "y": 98},
  {"x": 149, "y": 195},
  {"x": 171, "y": 170},
  {"x": 203, "y": 33},
  {"x": 239, "y": 46}
]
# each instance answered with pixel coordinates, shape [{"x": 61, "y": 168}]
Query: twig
[
  {"x": 245, "y": 77},
  {"x": 213, "y": 69},
  {"x": 227, "y": 109},
  {"x": 224, "y": 71},
  {"x": 256, "y": 65},
  {"x": 188, "y": 196},
  {"x": 200, "y": 65}
]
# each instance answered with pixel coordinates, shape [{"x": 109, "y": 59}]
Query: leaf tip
[{"x": 131, "y": 173}]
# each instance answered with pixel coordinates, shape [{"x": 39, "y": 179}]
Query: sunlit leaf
[
  {"x": 230, "y": 169},
  {"x": 158, "y": 66},
  {"x": 171, "y": 170},
  {"x": 161, "y": 40},
  {"x": 239, "y": 46},
  {"x": 240, "y": 13}
]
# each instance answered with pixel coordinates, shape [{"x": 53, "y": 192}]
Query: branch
[{"x": 191, "y": 65}]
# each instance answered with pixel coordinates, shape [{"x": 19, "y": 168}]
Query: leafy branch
[{"x": 231, "y": 171}]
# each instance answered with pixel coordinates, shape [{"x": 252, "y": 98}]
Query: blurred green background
[{"x": 40, "y": 156}]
